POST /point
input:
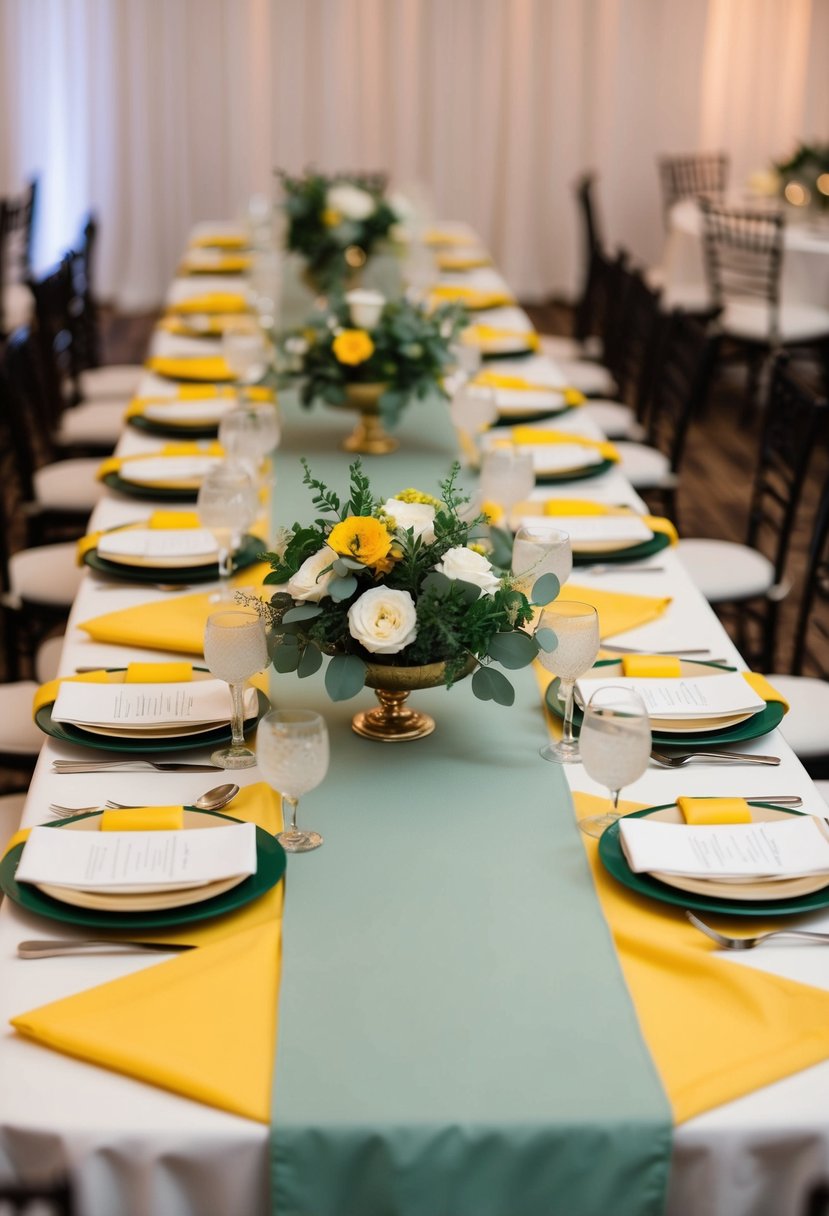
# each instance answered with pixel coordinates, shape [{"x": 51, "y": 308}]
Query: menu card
[
  {"x": 779, "y": 849},
  {"x": 558, "y": 457},
  {"x": 704, "y": 697},
  {"x": 204, "y": 409},
  {"x": 591, "y": 529},
  {"x": 158, "y": 543},
  {"x": 161, "y": 469},
  {"x": 122, "y": 861},
  {"x": 140, "y": 706}
]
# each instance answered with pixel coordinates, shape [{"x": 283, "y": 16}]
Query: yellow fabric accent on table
[
  {"x": 228, "y": 263},
  {"x": 114, "y": 464},
  {"x": 159, "y": 520},
  {"x": 462, "y": 261},
  {"x": 714, "y": 810},
  {"x": 215, "y": 325},
  {"x": 143, "y": 819},
  {"x": 487, "y": 379},
  {"x": 136, "y": 673},
  {"x": 201, "y": 392},
  {"x": 529, "y": 436},
  {"x": 617, "y": 610},
  {"x": 201, "y": 1024},
  {"x": 715, "y": 1031},
  {"x": 439, "y": 236},
  {"x": 191, "y": 367},
  {"x": 580, "y": 506},
  {"x": 764, "y": 688},
  {"x": 651, "y": 666},
  {"x": 486, "y": 335},
  {"x": 212, "y": 302},
  {"x": 471, "y": 297},
  {"x": 219, "y": 240}
]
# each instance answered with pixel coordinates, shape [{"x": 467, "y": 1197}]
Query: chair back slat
[
  {"x": 589, "y": 311},
  {"x": 683, "y": 368},
  {"x": 743, "y": 257},
  {"x": 811, "y": 642},
  {"x": 691, "y": 176}
]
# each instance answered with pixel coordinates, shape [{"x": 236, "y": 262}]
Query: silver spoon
[{"x": 211, "y": 800}]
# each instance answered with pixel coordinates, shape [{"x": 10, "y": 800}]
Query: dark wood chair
[
  {"x": 33, "y": 1199},
  {"x": 691, "y": 176},
  {"x": 17, "y": 217}
]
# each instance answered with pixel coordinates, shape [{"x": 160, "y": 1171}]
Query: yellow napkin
[
  {"x": 228, "y": 263},
  {"x": 765, "y": 689},
  {"x": 714, "y": 810},
  {"x": 618, "y": 611},
  {"x": 715, "y": 1031},
  {"x": 191, "y": 367},
  {"x": 462, "y": 261},
  {"x": 212, "y": 302},
  {"x": 580, "y": 506},
  {"x": 654, "y": 666},
  {"x": 219, "y": 240},
  {"x": 136, "y": 673},
  {"x": 470, "y": 297},
  {"x": 487, "y": 379},
  {"x": 214, "y": 325},
  {"x": 439, "y": 236},
  {"x": 489, "y": 337},
  {"x": 177, "y": 1024},
  {"x": 113, "y": 464},
  {"x": 529, "y": 436},
  {"x": 144, "y": 819},
  {"x": 253, "y": 395}
]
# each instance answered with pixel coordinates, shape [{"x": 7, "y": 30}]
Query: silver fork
[
  {"x": 620, "y": 568},
  {"x": 680, "y": 759},
  {"x": 63, "y": 812},
  {"x": 748, "y": 943}
]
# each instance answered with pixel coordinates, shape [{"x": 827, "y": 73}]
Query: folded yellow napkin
[
  {"x": 765, "y": 689},
  {"x": 441, "y": 236},
  {"x": 489, "y": 337},
  {"x": 143, "y": 819},
  {"x": 617, "y": 610},
  {"x": 113, "y": 464},
  {"x": 462, "y": 261},
  {"x": 580, "y": 506},
  {"x": 191, "y": 367},
  {"x": 213, "y": 326},
  {"x": 202, "y": 1024},
  {"x": 470, "y": 297},
  {"x": 714, "y": 810},
  {"x": 212, "y": 302},
  {"x": 529, "y": 436},
  {"x": 228, "y": 263},
  {"x": 219, "y": 240},
  {"x": 136, "y": 673},
  {"x": 253, "y": 395},
  {"x": 487, "y": 379},
  {"x": 653, "y": 666}
]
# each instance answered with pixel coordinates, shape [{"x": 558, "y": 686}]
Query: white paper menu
[
  {"x": 706, "y": 697},
  {"x": 782, "y": 848},
  {"x": 159, "y": 543},
  {"x": 98, "y": 861},
  {"x": 147, "y": 705}
]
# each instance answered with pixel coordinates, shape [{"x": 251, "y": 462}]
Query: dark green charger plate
[
  {"x": 647, "y": 548},
  {"x": 528, "y": 419},
  {"x": 520, "y": 352},
  {"x": 149, "y": 493},
  {"x": 270, "y": 858},
  {"x": 171, "y": 430},
  {"x": 578, "y": 474},
  {"x": 755, "y": 726},
  {"x": 66, "y": 733},
  {"x": 249, "y": 552},
  {"x": 613, "y": 860}
]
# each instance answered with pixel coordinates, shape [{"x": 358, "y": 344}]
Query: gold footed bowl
[
  {"x": 393, "y": 721},
  {"x": 369, "y": 437}
]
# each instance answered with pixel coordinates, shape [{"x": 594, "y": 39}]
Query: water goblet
[
  {"x": 576, "y": 627},
  {"x": 472, "y": 411},
  {"x": 249, "y": 434},
  {"x": 235, "y": 648},
  {"x": 615, "y": 746},
  {"x": 292, "y": 749},
  {"x": 246, "y": 354},
  {"x": 539, "y": 549},
  {"x": 507, "y": 476},
  {"x": 227, "y": 505}
]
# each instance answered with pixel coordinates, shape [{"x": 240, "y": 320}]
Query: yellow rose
[
  {"x": 331, "y": 218},
  {"x": 493, "y": 511},
  {"x": 353, "y": 346},
  {"x": 363, "y": 538}
]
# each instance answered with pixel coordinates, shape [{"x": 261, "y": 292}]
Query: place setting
[
  {"x": 556, "y": 455},
  {"x": 173, "y": 474},
  {"x": 196, "y": 414}
]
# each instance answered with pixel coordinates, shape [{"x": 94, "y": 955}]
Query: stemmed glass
[
  {"x": 235, "y": 648},
  {"x": 576, "y": 627},
  {"x": 227, "y": 504},
  {"x": 615, "y": 745},
  {"x": 292, "y": 747},
  {"x": 539, "y": 550},
  {"x": 246, "y": 353},
  {"x": 473, "y": 409},
  {"x": 249, "y": 434},
  {"x": 507, "y": 476}
]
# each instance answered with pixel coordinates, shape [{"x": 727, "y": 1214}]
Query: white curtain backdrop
[{"x": 159, "y": 113}]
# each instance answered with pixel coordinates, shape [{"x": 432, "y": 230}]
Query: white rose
[
  {"x": 383, "y": 621},
  {"x": 471, "y": 567},
  {"x": 309, "y": 584},
  {"x": 402, "y": 206},
  {"x": 365, "y": 307},
  {"x": 351, "y": 202},
  {"x": 418, "y": 516}
]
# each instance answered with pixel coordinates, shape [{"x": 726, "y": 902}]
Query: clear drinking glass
[
  {"x": 292, "y": 749},
  {"x": 235, "y": 648},
  {"x": 577, "y": 628},
  {"x": 246, "y": 353},
  {"x": 249, "y": 434},
  {"x": 227, "y": 504},
  {"x": 507, "y": 476},
  {"x": 615, "y": 746},
  {"x": 473, "y": 410},
  {"x": 539, "y": 550}
]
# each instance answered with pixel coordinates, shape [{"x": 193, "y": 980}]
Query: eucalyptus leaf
[
  {"x": 470, "y": 592},
  {"x": 310, "y": 662},
  {"x": 286, "y": 658},
  {"x": 545, "y": 589},
  {"x": 437, "y": 582},
  {"x": 302, "y": 612},
  {"x": 546, "y": 639},
  {"x": 345, "y": 675},
  {"x": 341, "y": 588},
  {"x": 491, "y": 685},
  {"x": 513, "y": 650},
  {"x": 501, "y": 542}
]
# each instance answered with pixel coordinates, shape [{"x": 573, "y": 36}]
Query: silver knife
[
  {"x": 48, "y": 949},
  {"x": 131, "y": 766}
]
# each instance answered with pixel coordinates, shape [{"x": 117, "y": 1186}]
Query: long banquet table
[{"x": 418, "y": 946}]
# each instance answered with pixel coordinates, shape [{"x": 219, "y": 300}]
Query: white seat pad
[
  {"x": 47, "y": 658},
  {"x": 557, "y": 347},
  {"x": 613, "y": 419},
  {"x": 18, "y": 733},
  {"x": 46, "y": 574},
  {"x": 589, "y": 378},
  {"x": 68, "y": 485},
  {"x": 645, "y": 467},
  {"x": 18, "y": 306},
  {"x": 724, "y": 570},
  {"x": 797, "y": 322},
  {"x": 11, "y": 808},
  {"x": 806, "y": 726},
  {"x": 116, "y": 380},
  {"x": 96, "y": 422}
]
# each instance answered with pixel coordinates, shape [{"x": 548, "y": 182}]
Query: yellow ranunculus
[
  {"x": 353, "y": 346},
  {"x": 331, "y": 218},
  {"x": 365, "y": 539},
  {"x": 493, "y": 511}
]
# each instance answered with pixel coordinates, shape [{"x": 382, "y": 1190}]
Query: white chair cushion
[
  {"x": 655, "y": 277},
  {"x": 18, "y": 306},
  {"x": 46, "y": 574},
  {"x": 116, "y": 380},
  {"x": 68, "y": 485},
  {"x": 96, "y": 422},
  {"x": 589, "y": 378},
  {"x": 645, "y": 467},
  {"x": 806, "y": 726},
  {"x": 18, "y": 733},
  {"x": 47, "y": 658},
  {"x": 556, "y": 347},
  {"x": 724, "y": 570},
  {"x": 613, "y": 419},
  {"x": 687, "y": 296},
  {"x": 750, "y": 319},
  {"x": 11, "y": 812}
]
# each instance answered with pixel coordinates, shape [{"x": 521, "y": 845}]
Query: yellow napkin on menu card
[
  {"x": 136, "y": 673},
  {"x": 225, "y": 263},
  {"x": 487, "y": 379},
  {"x": 653, "y": 666},
  {"x": 212, "y": 302},
  {"x": 213, "y": 325},
  {"x": 200, "y": 392},
  {"x": 202, "y": 1024},
  {"x": 219, "y": 240},
  {"x": 190, "y": 367},
  {"x": 462, "y": 261},
  {"x": 441, "y": 236},
  {"x": 470, "y": 297},
  {"x": 581, "y": 506},
  {"x": 165, "y": 521},
  {"x": 529, "y": 436},
  {"x": 714, "y": 810},
  {"x": 143, "y": 819},
  {"x": 489, "y": 337},
  {"x": 113, "y": 464},
  {"x": 715, "y": 1031}
]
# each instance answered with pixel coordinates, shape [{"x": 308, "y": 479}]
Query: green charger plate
[
  {"x": 518, "y": 352},
  {"x": 656, "y": 544},
  {"x": 755, "y": 726},
  {"x": 578, "y": 474},
  {"x": 66, "y": 733},
  {"x": 534, "y": 416},
  {"x": 149, "y": 493},
  {"x": 172, "y": 430},
  {"x": 270, "y": 858},
  {"x": 613, "y": 860},
  {"x": 249, "y": 552}
]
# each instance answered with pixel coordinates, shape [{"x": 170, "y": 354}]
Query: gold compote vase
[
  {"x": 369, "y": 437},
  {"x": 393, "y": 721}
]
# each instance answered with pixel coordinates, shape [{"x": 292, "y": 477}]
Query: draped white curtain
[{"x": 159, "y": 113}]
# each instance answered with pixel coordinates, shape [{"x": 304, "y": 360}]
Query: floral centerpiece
[
  {"x": 375, "y": 356},
  {"x": 400, "y": 596},
  {"x": 335, "y": 222},
  {"x": 804, "y": 177}
]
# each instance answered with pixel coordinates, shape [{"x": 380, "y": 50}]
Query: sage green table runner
[{"x": 455, "y": 1036}]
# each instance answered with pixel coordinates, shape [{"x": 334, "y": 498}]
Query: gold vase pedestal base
[
  {"x": 392, "y": 721},
  {"x": 369, "y": 438}
]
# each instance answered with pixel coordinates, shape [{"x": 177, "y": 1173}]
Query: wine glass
[
  {"x": 615, "y": 746},
  {"x": 536, "y": 550},
  {"x": 292, "y": 748},
  {"x": 468, "y": 358},
  {"x": 576, "y": 627},
  {"x": 507, "y": 476},
  {"x": 227, "y": 504},
  {"x": 235, "y": 648},
  {"x": 246, "y": 353},
  {"x": 249, "y": 434},
  {"x": 472, "y": 410}
]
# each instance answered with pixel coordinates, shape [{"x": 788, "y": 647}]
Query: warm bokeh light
[
  {"x": 796, "y": 194},
  {"x": 822, "y": 183}
]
